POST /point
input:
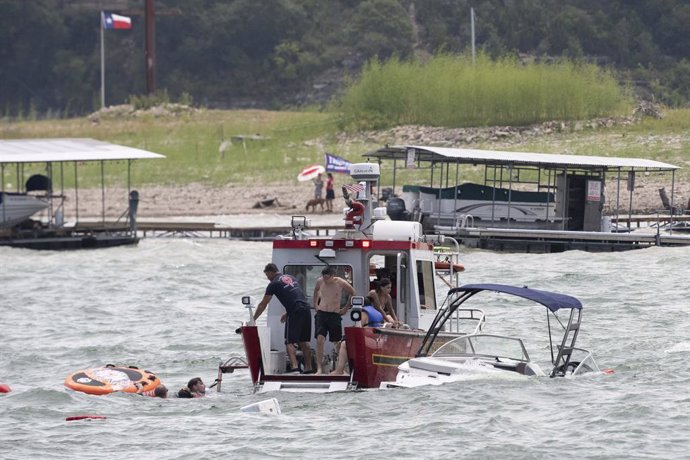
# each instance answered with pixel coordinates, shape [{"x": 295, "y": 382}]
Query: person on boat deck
[
  {"x": 383, "y": 272},
  {"x": 371, "y": 317},
  {"x": 381, "y": 295},
  {"x": 328, "y": 293},
  {"x": 195, "y": 389},
  {"x": 297, "y": 318}
]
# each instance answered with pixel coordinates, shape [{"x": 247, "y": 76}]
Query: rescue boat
[{"x": 368, "y": 245}]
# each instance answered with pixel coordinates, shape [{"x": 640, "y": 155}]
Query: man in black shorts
[
  {"x": 297, "y": 317},
  {"x": 328, "y": 294}
]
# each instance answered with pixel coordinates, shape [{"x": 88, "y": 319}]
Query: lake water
[{"x": 171, "y": 306}]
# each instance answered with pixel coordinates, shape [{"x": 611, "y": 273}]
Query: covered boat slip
[
  {"x": 49, "y": 162},
  {"x": 532, "y": 202}
]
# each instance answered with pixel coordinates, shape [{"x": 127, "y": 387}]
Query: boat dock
[
  {"x": 163, "y": 229},
  {"x": 498, "y": 239},
  {"x": 544, "y": 241},
  {"x": 644, "y": 235}
]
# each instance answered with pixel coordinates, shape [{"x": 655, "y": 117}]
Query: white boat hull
[
  {"x": 15, "y": 208},
  {"x": 425, "y": 371}
]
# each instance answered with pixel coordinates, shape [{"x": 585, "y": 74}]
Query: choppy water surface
[{"x": 172, "y": 306}]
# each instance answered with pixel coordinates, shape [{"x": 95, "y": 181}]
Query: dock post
[{"x": 133, "y": 206}]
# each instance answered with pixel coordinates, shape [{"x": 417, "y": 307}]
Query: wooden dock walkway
[
  {"x": 498, "y": 239},
  {"x": 540, "y": 241},
  {"x": 212, "y": 230}
]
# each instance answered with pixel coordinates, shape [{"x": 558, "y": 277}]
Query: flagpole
[
  {"x": 102, "y": 65},
  {"x": 472, "y": 27}
]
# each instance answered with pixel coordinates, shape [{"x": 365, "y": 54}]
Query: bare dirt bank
[
  {"x": 203, "y": 200},
  {"x": 291, "y": 197}
]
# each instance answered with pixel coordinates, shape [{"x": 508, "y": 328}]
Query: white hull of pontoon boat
[
  {"x": 15, "y": 208},
  {"x": 425, "y": 371}
]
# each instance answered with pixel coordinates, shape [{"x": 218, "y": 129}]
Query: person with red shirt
[{"x": 330, "y": 193}]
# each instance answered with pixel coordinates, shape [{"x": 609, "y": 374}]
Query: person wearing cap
[
  {"x": 328, "y": 293},
  {"x": 297, "y": 317}
]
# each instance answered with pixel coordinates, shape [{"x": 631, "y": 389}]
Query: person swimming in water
[{"x": 195, "y": 389}]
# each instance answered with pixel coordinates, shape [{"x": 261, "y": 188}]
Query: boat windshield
[{"x": 481, "y": 345}]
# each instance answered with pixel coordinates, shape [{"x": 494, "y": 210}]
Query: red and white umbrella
[{"x": 310, "y": 173}]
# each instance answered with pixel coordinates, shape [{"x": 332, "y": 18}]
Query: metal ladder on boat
[
  {"x": 446, "y": 250},
  {"x": 567, "y": 346}
]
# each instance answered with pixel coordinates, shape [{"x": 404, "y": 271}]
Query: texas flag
[{"x": 115, "y": 21}]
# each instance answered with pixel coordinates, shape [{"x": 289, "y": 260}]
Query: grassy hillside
[{"x": 293, "y": 140}]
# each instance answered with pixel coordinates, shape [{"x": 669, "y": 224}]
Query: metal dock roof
[
  {"x": 67, "y": 149},
  {"x": 497, "y": 157}
]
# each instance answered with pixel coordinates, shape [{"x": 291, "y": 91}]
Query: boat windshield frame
[
  {"x": 560, "y": 350},
  {"x": 472, "y": 352}
]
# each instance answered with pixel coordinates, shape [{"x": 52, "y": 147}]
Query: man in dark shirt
[{"x": 297, "y": 317}]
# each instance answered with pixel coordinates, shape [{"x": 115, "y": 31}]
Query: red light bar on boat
[
  {"x": 351, "y": 244},
  {"x": 365, "y": 244}
]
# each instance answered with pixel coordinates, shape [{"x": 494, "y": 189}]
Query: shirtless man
[{"x": 327, "y": 294}]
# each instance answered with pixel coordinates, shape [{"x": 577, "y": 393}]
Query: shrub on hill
[{"x": 454, "y": 92}]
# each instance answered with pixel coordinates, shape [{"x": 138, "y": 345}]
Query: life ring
[
  {"x": 354, "y": 215},
  {"x": 109, "y": 379},
  {"x": 439, "y": 265}
]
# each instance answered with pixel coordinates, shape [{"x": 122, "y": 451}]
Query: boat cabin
[{"x": 369, "y": 246}]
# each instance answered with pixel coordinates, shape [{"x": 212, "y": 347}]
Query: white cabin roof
[
  {"x": 497, "y": 157},
  {"x": 67, "y": 149}
]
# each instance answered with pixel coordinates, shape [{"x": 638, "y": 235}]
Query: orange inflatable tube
[
  {"x": 109, "y": 379},
  {"x": 447, "y": 265}
]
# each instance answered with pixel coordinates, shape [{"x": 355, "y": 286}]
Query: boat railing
[
  {"x": 446, "y": 251},
  {"x": 485, "y": 346},
  {"x": 581, "y": 362},
  {"x": 462, "y": 316},
  {"x": 463, "y": 220}
]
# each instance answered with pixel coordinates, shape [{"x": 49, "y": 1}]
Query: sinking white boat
[
  {"x": 480, "y": 355},
  {"x": 17, "y": 207}
]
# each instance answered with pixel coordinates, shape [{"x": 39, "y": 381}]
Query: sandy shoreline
[
  {"x": 196, "y": 200},
  {"x": 201, "y": 200}
]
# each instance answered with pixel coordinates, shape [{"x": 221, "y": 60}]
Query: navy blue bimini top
[{"x": 551, "y": 300}]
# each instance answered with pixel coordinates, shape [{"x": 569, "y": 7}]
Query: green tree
[
  {"x": 31, "y": 34},
  {"x": 381, "y": 29}
]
